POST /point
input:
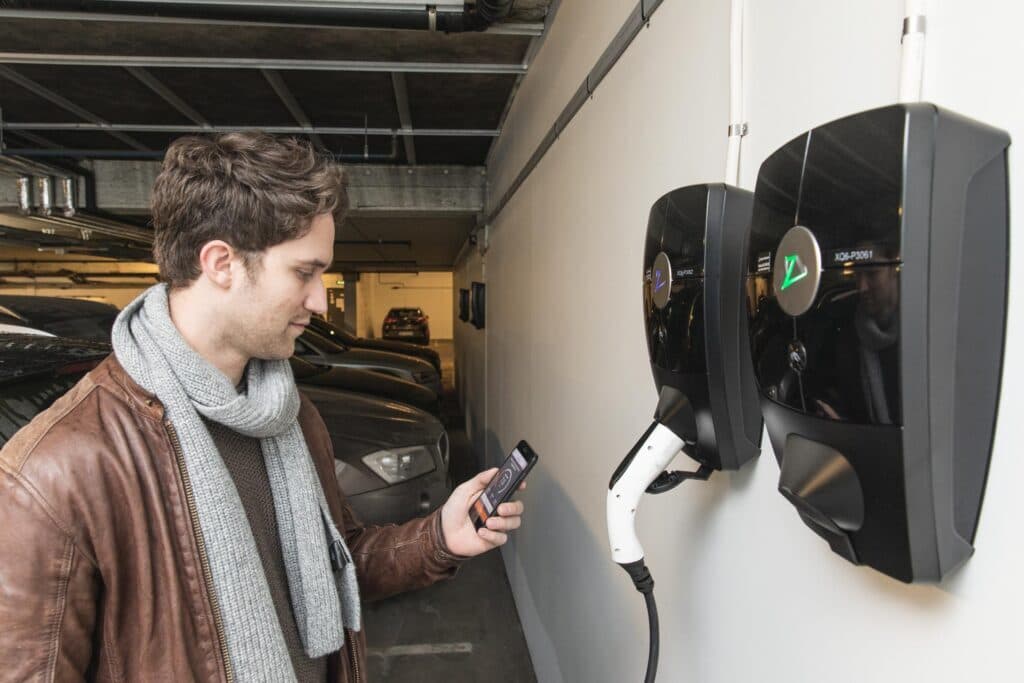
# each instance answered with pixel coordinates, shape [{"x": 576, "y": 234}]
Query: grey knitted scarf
[{"x": 324, "y": 599}]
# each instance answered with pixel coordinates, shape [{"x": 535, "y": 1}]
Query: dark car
[
  {"x": 35, "y": 371},
  {"x": 326, "y": 329},
  {"x": 407, "y": 323},
  {"x": 75, "y": 318},
  {"x": 391, "y": 459},
  {"x": 319, "y": 350},
  {"x": 365, "y": 382}
]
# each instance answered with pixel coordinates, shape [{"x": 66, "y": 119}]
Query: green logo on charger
[{"x": 793, "y": 262}]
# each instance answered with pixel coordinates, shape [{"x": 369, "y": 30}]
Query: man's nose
[{"x": 316, "y": 302}]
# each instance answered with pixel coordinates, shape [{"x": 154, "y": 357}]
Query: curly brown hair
[{"x": 250, "y": 189}]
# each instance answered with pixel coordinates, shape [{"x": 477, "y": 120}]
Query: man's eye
[{"x": 305, "y": 274}]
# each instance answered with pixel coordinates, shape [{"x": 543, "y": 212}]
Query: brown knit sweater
[{"x": 244, "y": 460}]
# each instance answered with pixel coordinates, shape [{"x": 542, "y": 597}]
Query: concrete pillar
[{"x": 351, "y": 312}]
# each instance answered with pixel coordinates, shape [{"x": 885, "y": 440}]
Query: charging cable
[{"x": 643, "y": 471}]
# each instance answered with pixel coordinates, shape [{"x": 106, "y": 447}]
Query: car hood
[
  {"x": 361, "y": 424},
  {"x": 356, "y": 357},
  {"x": 423, "y": 352},
  {"x": 364, "y": 381}
]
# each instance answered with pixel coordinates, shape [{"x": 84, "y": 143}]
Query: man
[{"x": 175, "y": 515}]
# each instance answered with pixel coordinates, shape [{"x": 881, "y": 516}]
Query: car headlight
[{"x": 396, "y": 465}]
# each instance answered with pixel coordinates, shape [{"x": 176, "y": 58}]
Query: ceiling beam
[
  {"x": 67, "y": 105},
  {"x": 55, "y": 59},
  {"x": 286, "y": 130},
  {"x": 36, "y": 139},
  {"x": 533, "y": 28},
  {"x": 168, "y": 95},
  {"x": 404, "y": 116},
  {"x": 291, "y": 104}
]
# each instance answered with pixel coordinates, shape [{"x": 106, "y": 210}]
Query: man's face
[
  {"x": 273, "y": 303},
  {"x": 879, "y": 292}
]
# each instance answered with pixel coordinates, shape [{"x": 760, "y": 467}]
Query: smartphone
[{"x": 505, "y": 483}]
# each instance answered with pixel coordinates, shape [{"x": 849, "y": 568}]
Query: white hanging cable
[
  {"x": 912, "y": 51},
  {"x": 737, "y": 126}
]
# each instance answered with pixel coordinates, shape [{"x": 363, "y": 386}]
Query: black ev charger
[
  {"x": 696, "y": 329},
  {"x": 877, "y": 275}
]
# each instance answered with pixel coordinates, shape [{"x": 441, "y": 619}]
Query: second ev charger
[
  {"x": 877, "y": 281},
  {"x": 696, "y": 329}
]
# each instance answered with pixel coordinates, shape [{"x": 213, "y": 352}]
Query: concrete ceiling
[{"x": 77, "y": 87}]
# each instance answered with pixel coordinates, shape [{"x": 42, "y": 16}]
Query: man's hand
[{"x": 461, "y": 537}]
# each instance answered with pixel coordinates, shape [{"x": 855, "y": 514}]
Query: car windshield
[{"x": 405, "y": 313}]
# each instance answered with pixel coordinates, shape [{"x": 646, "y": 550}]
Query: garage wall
[
  {"x": 119, "y": 297},
  {"x": 471, "y": 356},
  {"x": 376, "y": 293},
  {"x": 745, "y": 591}
]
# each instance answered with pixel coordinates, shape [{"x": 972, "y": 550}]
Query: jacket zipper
[
  {"x": 194, "y": 516},
  {"x": 352, "y": 657}
]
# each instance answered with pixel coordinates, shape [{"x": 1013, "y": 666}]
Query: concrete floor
[{"x": 466, "y": 629}]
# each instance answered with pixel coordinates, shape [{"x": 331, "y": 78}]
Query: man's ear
[{"x": 215, "y": 260}]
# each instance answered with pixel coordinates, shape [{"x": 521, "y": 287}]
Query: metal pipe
[
  {"x": 25, "y": 194},
  {"x": 737, "y": 124},
  {"x": 44, "y": 194},
  {"x": 157, "y": 155},
  {"x": 532, "y": 28},
  {"x": 912, "y": 51},
  {"x": 450, "y": 18},
  {"x": 67, "y": 197},
  {"x": 163, "y": 62},
  {"x": 285, "y": 130}
]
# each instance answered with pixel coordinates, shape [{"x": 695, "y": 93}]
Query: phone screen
[{"x": 503, "y": 485}]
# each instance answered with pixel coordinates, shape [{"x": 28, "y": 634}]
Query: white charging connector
[{"x": 648, "y": 460}]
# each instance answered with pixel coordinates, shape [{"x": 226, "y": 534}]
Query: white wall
[
  {"x": 745, "y": 591},
  {"x": 378, "y": 292}
]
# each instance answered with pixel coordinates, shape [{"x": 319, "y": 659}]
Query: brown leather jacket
[{"x": 102, "y": 573}]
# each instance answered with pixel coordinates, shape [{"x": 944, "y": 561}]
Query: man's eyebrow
[{"x": 316, "y": 263}]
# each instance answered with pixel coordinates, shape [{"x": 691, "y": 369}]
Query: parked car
[
  {"x": 407, "y": 323},
  {"x": 391, "y": 459},
  {"x": 326, "y": 329},
  {"x": 12, "y": 323},
  {"x": 365, "y": 382},
  {"x": 319, "y": 350},
  {"x": 36, "y": 370},
  {"x": 76, "y": 318}
]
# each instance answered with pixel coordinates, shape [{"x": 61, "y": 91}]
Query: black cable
[
  {"x": 645, "y": 584},
  {"x": 652, "y": 653}
]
